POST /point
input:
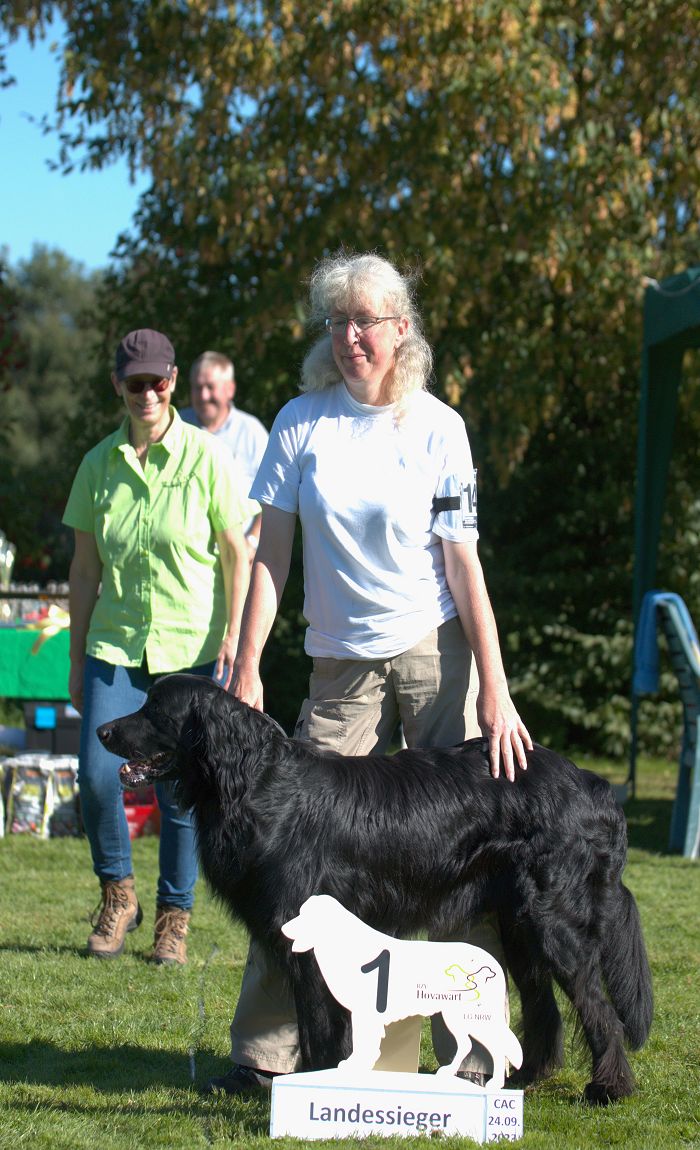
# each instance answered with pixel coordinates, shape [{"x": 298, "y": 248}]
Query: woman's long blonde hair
[{"x": 337, "y": 284}]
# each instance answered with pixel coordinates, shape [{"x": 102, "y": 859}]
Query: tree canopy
[
  {"x": 45, "y": 405},
  {"x": 534, "y": 161}
]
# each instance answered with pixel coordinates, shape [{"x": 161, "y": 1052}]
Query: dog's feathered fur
[{"x": 421, "y": 840}]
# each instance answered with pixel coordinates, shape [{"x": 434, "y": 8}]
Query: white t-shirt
[{"x": 363, "y": 487}]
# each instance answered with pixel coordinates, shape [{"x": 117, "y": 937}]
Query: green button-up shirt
[{"x": 155, "y": 529}]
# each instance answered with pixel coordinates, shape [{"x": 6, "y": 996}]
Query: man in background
[{"x": 212, "y": 388}]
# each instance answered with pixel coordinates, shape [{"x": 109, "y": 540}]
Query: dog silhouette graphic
[{"x": 381, "y": 980}]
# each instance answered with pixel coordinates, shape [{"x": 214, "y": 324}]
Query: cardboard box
[{"x": 52, "y": 727}]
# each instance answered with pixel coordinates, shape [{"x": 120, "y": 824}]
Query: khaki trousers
[{"x": 354, "y": 707}]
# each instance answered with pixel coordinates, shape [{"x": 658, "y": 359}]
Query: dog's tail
[{"x": 626, "y": 968}]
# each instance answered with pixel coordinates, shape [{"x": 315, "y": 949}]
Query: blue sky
[{"x": 82, "y": 213}]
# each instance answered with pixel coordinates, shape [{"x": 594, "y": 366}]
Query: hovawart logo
[{"x": 467, "y": 987}]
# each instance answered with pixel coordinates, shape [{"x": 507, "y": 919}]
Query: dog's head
[
  {"x": 190, "y": 730},
  {"x": 151, "y": 738}
]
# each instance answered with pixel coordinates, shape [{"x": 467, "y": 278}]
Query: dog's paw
[
  {"x": 529, "y": 1075},
  {"x": 596, "y": 1094}
]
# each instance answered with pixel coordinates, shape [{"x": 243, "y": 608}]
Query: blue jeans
[{"x": 111, "y": 692}]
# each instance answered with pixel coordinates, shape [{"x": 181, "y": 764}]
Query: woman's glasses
[
  {"x": 338, "y": 323},
  {"x": 136, "y": 386}
]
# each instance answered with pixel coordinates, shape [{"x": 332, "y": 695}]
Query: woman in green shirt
[{"x": 157, "y": 584}]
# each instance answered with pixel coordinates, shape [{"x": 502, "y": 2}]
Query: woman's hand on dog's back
[{"x": 246, "y": 683}]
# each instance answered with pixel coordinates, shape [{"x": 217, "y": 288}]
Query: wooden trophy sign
[{"x": 389, "y": 985}]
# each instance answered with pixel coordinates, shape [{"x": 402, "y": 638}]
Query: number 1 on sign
[{"x": 381, "y": 965}]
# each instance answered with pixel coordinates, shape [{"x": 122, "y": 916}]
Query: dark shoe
[
  {"x": 169, "y": 946},
  {"x": 118, "y": 913},
  {"x": 240, "y": 1080},
  {"x": 475, "y": 1076}
]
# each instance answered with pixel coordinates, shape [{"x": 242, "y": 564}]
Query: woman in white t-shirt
[{"x": 400, "y": 626}]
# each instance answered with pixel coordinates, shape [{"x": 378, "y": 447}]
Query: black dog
[{"x": 420, "y": 840}]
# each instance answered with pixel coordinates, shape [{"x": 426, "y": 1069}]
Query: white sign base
[{"x": 333, "y": 1104}]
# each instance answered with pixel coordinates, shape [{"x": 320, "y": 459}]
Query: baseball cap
[{"x": 144, "y": 351}]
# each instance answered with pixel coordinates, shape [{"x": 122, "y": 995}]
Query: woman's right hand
[
  {"x": 83, "y": 586},
  {"x": 76, "y": 679},
  {"x": 246, "y": 683}
]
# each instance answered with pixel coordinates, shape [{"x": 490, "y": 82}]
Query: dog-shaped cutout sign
[{"x": 381, "y": 980}]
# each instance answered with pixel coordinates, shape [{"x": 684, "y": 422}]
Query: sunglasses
[{"x": 136, "y": 386}]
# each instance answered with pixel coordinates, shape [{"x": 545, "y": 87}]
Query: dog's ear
[
  {"x": 194, "y": 724},
  {"x": 220, "y": 732}
]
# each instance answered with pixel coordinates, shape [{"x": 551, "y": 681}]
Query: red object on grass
[{"x": 142, "y": 812}]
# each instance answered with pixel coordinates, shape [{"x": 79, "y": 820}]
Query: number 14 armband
[{"x": 457, "y": 503}]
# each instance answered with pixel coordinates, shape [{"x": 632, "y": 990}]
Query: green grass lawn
[{"x": 112, "y": 1055}]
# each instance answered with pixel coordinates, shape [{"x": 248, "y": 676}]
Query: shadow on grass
[
  {"x": 648, "y": 824},
  {"x": 105, "y": 1068},
  {"x": 120, "y": 1070},
  {"x": 257, "y": 1118},
  {"x": 49, "y": 948},
  {"x": 31, "y": 949},
  {"x": 129, "y": 1071},
  {"x": 80, "y": 952}
]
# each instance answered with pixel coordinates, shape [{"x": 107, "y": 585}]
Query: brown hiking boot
[
  {"x": 169, "y": 945},
  {"x": 118, "y": 913}
]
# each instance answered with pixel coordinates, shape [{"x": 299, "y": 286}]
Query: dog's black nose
[{"x": 104, "y": 733}]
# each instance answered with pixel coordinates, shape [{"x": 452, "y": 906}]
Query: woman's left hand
[
  {"x": 224, "y": 661},
  {"x": 507, "y": 734},
  {"x": 499, "y": 721}
]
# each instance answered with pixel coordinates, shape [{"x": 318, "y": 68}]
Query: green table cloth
[{"x": 27, "y": 676}]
